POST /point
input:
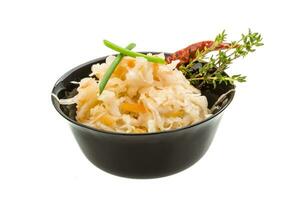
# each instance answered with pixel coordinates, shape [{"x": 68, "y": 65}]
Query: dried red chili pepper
[{"x": 184, "y": 55}]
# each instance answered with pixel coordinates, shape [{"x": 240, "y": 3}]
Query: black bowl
[{"x": 148, "y": 155}]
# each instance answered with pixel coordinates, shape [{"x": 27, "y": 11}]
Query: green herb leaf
[{"x": 213, "y": 71}]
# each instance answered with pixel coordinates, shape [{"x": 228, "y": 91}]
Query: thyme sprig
[{"x": 212, "y": 71}]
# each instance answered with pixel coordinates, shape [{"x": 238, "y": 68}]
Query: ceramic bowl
[{"x": 148, "y": 155}]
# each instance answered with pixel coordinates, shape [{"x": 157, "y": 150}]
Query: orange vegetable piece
[
  {"x": 131, "y": 63},
  {"x": 120, "y": 72},
  {"x": 132, "y": 107},
  {"x": 107, "y": 120},
  {"x": 178, "y": 113},
  {"x": 155, "y": 71}
]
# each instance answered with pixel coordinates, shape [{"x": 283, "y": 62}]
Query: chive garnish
[
  {"x": 130, "y": 53},
  {"x": 112, "y": 68}
]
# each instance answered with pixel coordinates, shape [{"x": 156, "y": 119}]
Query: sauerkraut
[{"x": 139, "y": 97}]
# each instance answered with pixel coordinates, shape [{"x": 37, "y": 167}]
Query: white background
[{"x": 255, "y": 154}]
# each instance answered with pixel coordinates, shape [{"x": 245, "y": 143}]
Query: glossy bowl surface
[{"x": 149, "y": 155}]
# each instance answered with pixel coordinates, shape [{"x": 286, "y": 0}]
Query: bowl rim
[{"x": 94, "y": 61}]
